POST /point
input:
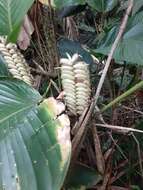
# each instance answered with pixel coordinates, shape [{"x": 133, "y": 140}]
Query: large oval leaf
[
  {"x": 65, "y": 3},
  {"x": 99, "y": 5},
  {"x": 32, "y": 154},
  {"x": 130, "y": 47},
  {"x": 82, "y": 177},
  {"x": 12, "y": 13},
  {"x": 137, "y": 6},
  {"x": 71, "y": 47}
]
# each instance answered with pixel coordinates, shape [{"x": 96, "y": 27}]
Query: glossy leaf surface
[
  {"x": 31, "y": 149},
  {"x": 12, "y": 13}
]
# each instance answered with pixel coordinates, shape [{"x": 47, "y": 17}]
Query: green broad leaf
[
  {"x": 125, "y": 81},
  {"x": 130, "y": 47},
  {"x": 34, "y": 149},
  {"x": 82, "y": 177},
  {"x": 71, "y": 47},
  {"x": 65, "y": 3},
  {"x": 12, "y": 13},
  {"x": 137, "y": 5},
  {"x": 135, "y": 187},
  {"x": 102, "y": 5},
  {"x": 3, "y": 68},
  {"x": 138, "y": 18},
  {"x": 98, "y": 5},
  {"x": 16, "y": 99},
  {"x": 14, "y": 34},
  {"x": 71, "y": 10},
  {"x": 110, "y": 5}
]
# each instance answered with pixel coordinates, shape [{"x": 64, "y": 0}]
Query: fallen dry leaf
[{"x": 25, "y": 34}]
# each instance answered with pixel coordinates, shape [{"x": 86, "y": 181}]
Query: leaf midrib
[
  {"x": 15, "y": 113},
  {"x": 8, "y": 9},
  {"x": 9, "y": 15}
]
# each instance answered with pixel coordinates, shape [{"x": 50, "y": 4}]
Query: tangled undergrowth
[
  {"x": 107, "y": 148},
  {"x": 103, "y": 145}
]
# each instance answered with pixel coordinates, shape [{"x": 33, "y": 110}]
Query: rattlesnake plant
[
  {"x": 74, "y": 74},
  {"x": 15, "y": 61},
  {"x": 76, "y": 83}
]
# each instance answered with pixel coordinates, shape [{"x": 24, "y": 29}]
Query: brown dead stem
[{"x": 99, "y": 156}]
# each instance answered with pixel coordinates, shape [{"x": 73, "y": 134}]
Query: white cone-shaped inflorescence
[
  {"x": 15, "y": 61},
  {"x": 76, "y": 83}
]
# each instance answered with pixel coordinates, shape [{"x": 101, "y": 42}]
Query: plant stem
[{"x": 123, "y": 96}]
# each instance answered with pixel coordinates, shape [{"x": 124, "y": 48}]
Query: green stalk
[{"x": 123, "y": 96}]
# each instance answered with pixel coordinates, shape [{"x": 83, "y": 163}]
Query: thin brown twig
[
  {"x": 107, "y": 175},
  {"x": 78, "y": 139},
  {"x": 41, "y": 71},
  {"x": 47, "y": 90},
  {"x": 99, "y": 156},
  {"x": 40, "y": 68},
  {"x": 139, "y": 153},
  {"x": 55, "y": 86},
  {"x": 118, "y": 147},
  {"x": 132, "y": 109},
  {"x": 78, "y": 124},
  {"x": 99, "y": 115},
  {"x": 120, "y": 174},
  {"x": 124, "y": 129}
]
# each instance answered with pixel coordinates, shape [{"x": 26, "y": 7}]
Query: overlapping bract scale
[
  {"x": 15, "y": 61},
  {"x": 76, "y": 83}
]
